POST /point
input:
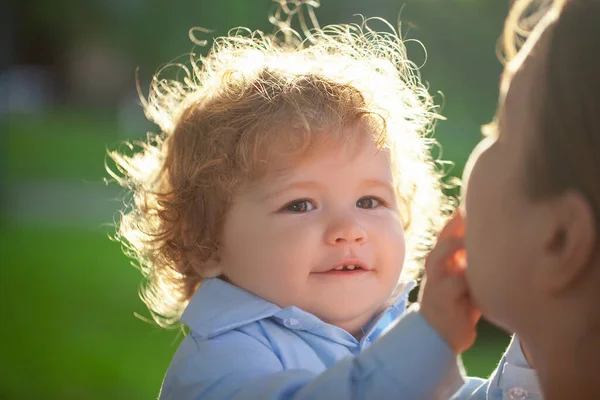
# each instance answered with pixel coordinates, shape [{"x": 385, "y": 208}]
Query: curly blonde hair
[{"x": 254, "y": 102}]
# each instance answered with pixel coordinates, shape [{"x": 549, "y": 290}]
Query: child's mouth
[
  {"x": 350, "y": 269},
  {"x": 346, "y": 268}
]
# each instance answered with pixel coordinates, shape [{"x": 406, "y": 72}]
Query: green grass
[{"x": 69, "y": 329}]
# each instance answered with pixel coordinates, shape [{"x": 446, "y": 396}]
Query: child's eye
[
  {"x": 368, "y": 202},
  {"x": 299, "y": 206}
]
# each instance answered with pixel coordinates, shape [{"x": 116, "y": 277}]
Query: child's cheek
[
  {"x": 389, "y": 238},
  {"x": 392, "y": 224}
]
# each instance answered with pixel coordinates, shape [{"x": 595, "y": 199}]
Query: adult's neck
[{"x": 566, "y": 351}]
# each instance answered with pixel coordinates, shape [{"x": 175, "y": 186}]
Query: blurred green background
[{"x": 67, "y": 80}]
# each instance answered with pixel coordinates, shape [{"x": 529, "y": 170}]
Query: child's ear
[
  {"x": 570, "y": 242},
  {"x": 209, "y": 268},
  {"x": 212, "y": 268},
  {"x": 205, "y": 267}
]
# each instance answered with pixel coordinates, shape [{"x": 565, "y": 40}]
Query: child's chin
[{"x": 360, "y": 314}]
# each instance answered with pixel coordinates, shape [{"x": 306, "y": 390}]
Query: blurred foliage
[
  {"x": 153, "y": 32},
  {"x": 62, "y": 145},
  {"x": 147, "y": 30}
]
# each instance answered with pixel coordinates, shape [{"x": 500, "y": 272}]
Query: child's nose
[{"x": 345, "y": 231}]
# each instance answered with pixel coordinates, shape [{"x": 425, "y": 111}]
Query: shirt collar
[
  {"x": 400, "y": 302},
  {"x": 218, "y": 307}
]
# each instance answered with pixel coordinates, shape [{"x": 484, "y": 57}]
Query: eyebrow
[
  {"x": 366, "y": 183},
  {"x": 370, "y": 183},
  {"x": 290, "y": 187}
]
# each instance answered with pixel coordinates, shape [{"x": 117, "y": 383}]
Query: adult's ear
[{"x": 570, "y": 242}]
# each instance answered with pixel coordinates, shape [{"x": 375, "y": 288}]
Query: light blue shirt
[{"x": 244, "y": 347}]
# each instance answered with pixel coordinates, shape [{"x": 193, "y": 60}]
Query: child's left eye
[{"x": 368, "y": 202}]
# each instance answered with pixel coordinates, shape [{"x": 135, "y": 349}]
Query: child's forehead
[
  {"x": 350, "y": 163},
  {"x": 283, "y": 147},
  {"x": 324, "y": 151}
]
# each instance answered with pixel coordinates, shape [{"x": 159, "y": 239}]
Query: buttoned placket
[{"x": 517, "y": 393}]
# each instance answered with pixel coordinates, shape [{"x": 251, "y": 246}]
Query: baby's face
[
  {"x": 326, "y": 236},
  {"x": 503, "y": 225}
]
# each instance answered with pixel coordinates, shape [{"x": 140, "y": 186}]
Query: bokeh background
[{"x": 73, "y": 325}]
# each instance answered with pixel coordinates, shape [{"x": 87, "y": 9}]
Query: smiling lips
[{"x": 347, "y": 268}]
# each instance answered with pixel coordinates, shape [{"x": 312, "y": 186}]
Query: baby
[{"x": 283, "y": 214}]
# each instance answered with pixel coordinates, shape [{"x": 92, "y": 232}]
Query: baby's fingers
[
  {"x": 442, "y": 259},
  {"x": 454, "y": 228}
]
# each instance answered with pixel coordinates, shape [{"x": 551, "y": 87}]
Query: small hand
[{"x": 445, "y": 299}]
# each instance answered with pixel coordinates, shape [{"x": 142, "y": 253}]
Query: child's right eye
[{"x": 299, "y": 206}]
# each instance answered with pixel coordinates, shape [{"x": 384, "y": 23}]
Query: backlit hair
[
  {"x": 567, "y": 118},
  {"x": 257, "y": 102}
]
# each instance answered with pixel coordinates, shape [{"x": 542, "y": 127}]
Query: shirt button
[
  {"x": 291, "y": 323},
  {"x": 517, "y": 393}
]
